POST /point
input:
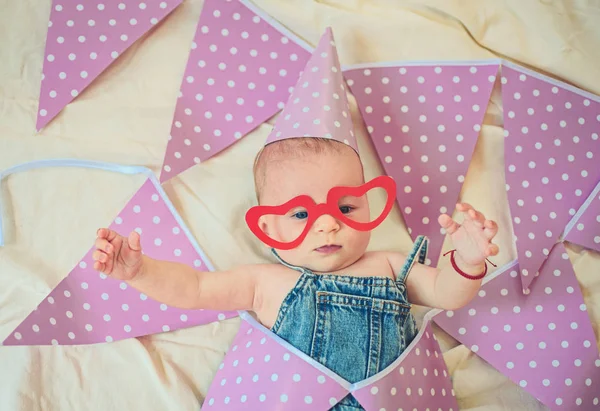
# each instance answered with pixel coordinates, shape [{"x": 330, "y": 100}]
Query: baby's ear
[
  {"x": 262, "y": 224},
  {"x": 264, "y": 227}
]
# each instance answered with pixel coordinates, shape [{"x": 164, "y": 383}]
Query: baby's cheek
[
  {"x": 288, "y": 231},
  {"x": 362, "y": 215},
  {"x": 359, "y": 240}
]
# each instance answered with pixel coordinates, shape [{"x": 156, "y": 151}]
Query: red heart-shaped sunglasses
[{"x": 314, "y": 211}]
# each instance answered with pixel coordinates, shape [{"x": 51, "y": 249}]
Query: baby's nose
[{"x": 326, "y": 224}]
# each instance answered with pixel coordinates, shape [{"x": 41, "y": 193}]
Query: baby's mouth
[{"x": 328, "y": 249}]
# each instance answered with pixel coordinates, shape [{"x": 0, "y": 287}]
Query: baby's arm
[
  {"x": 181, "y": 286},
  {"x": 446, "y": 288},
  {"x": 176, "y": 284}
]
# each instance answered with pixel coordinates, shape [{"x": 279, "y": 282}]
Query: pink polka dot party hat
[{"x": 318, "y": 106}]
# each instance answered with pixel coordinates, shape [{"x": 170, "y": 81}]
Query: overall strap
[
  {"x": 418, "y": 253},
  {"x": 293, "y": 267}
]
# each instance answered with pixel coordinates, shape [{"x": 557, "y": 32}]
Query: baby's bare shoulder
[
  {"x": 390, "y": 257},
  {"x": 384, "y": 261},
  {"x": 372, "y": 263},
  {"x": 269, "y": 271},
  {"x": 275, "y": 281}
]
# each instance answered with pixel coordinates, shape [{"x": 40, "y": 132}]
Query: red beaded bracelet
[{"x": 461, "y": 272}]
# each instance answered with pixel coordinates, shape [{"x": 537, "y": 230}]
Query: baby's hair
[{"x": 292, "y": 147}]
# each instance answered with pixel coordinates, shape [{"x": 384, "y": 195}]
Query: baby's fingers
[
  {"x": 100, "y": 256},
  {"x": 132, "y": 249},
  {"x": 491, "y": 250},
  {"x": 490, "y": 229},
  {"x": 102, "y": 262},
  {"x": 134, "y": 241},
  {"x": 476, "y": 216},
  {"x": 463, "y": 207},
  {"x": 107, "y": 234},
  {"x": 104, "y": 245},
  {"x": 448, "y": 223},
  {"x": 101, "y": 267}
]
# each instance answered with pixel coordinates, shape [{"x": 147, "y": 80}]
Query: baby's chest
[
  {"x": 350, "y": 281},
  {"x": 371, "y": 265}
]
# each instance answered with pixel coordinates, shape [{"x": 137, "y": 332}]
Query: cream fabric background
[{"x": 51, "y": 215}]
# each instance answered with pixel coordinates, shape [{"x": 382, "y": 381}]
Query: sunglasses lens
[
  {"x": 366, "y": 208},
  {"x": 286, "y": 227}
]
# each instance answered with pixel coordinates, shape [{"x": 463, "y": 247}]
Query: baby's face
[{"x": 330, "y": 245}]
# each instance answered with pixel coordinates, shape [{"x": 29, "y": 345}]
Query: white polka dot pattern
[
  {"x": 263, "y": 372},
  {"x": 87, "y": 307},
  {"x": 543, "y": 341},
  {"x": 318, "y": 106},
  {"x": 418, "y": 378},
  {"x": 83, "y": 39},
  {"x": 552, "y": 151},
  {"x": 586, "y": 231},
  {"x": 258, "y": 373},
  {"x": 239, "y": 74},
  {"x": 424, "y": 122}
]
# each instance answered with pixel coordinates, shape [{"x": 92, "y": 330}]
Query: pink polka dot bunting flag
[
  {"x": 551, "y": 158},
  {"x": 585, "y": 228},
  {"x": 262, "y": 371},
  {"x": 420, "y": 380},
  {"x": 318, "y": 106},
  {"x": 424, "y": 121},
  {"x": 88, "y": 307},
  {"x": 258, "y": 373},
  {"x": 84, "y": 38},
  {"x": 544, "y": 341},
  {"x": 240, "y": 71}
]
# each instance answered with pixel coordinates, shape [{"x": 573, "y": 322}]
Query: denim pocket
[{"x": 357, "y": 336}]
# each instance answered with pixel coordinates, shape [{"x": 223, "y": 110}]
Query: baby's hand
[
  {"x": 118, "y": 256},
  {"x": 473, "y": 237}
]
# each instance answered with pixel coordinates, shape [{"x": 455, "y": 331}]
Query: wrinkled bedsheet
[{"x": 51, "y": 215}]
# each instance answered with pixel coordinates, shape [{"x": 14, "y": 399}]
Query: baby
[{"x": 346, "y": 308}]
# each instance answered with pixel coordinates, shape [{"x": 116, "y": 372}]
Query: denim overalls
[{"x": 355, "y": 326}]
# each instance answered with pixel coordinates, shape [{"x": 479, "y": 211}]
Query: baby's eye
[
  {"x": 300, "y": 215},
  {"x": 346, "y": 209}
]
